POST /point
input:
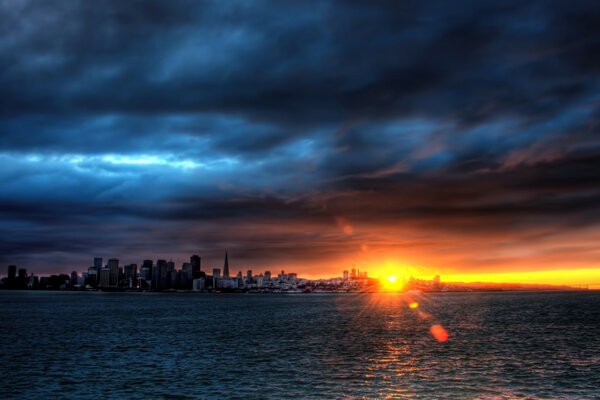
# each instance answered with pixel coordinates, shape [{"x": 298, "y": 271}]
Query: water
[{"x": 186, "y": 346}]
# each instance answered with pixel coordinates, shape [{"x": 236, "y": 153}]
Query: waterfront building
[
  {"x": 97, "y": 262},
  {"x": 198, "y": 284},
  {"x": 33, "y": 282},
  {"x": 216, "y": 276},
  {"x": 345, "y": 274}
]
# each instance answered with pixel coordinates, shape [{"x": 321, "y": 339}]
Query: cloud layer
[{"x": 456, "y": 137}]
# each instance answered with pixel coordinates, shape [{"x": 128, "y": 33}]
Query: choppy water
[{"x": 118, "y": 345}]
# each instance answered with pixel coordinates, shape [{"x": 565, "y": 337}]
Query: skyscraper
[
  {"x": 12, "y": 276},
  {"x": 147, "y": 264},
  {"x": 104, "y": 277},
  {"x": 170, "y": 268},
  {"x": 97, "y": 262},
  {"x": 159, "y": 275},
  {"x": 113, "y": 266},
  {"x": 74, "y": 278},
  {"x": 22, "y": 278},
  {"x": 226, "y": 267},
  {"x": 195, "y": 260},
  {"x": 131, "y": 275}
]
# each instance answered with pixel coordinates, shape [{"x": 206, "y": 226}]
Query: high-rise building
[
  {"x": 22, "y": 278},
  {"x": 113, "y": 266},
  {"x": 345, "y": 275},
  {"x": 196, "y": 262},
  {"x": 170, "y": 277},
  {"x": 130, "y": 272},
  {"x": 12, "y": 276},
  {"x": 249, "y": 275},
  {"x": 97, "y": 262},
  {"x": 353, "y": 273},
  {"x": 12, "y": 271},
  {"x": 187, "y": 275},
  {"x": 74, "y": 278},
  {"x": 93, "y": 276},
  {"x": 159, "y": 278},
  {"x": 147, "y": 264},
  {"x": 104, "y": 279},
  {"x": 267, "y": 276},
  {"x": 146, "y": 272},
  {"x": 226, "y": 267}
]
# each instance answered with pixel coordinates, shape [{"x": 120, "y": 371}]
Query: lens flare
[{"x": 439, "y": 333}]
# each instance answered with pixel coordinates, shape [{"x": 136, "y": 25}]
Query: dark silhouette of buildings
[
  {"x": 12, "y": 276},
  {"x": 226, "y": 267},
  {"x": 196, "y": 262},
  {"x": 113, "y": 266}
]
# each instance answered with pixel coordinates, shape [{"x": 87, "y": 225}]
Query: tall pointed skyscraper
[{"x": 226, "y": 267}]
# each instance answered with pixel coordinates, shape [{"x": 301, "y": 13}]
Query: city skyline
[
  {"x": 403, "y": 138},
  {"x": 162, "y": 275},
  {"x": 99, "y": 262}
]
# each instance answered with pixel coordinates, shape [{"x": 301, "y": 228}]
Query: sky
[{"x": 454, "y": 138}]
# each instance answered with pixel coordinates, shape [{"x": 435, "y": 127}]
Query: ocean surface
[{"x": 73, "y": 345}]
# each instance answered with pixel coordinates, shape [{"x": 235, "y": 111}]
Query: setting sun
[{"x": 392, "y": 284}]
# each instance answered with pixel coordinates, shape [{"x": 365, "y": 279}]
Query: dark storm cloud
[
  {"x": 287, "y": 60},
  {"x": 148, "y": 125}
]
